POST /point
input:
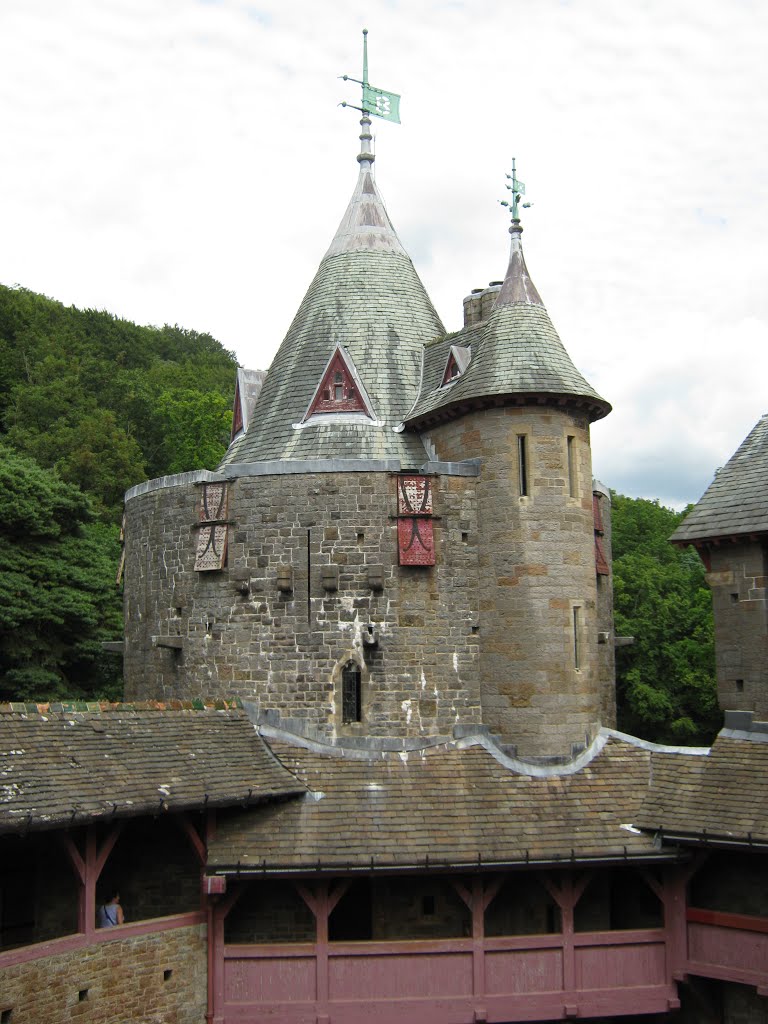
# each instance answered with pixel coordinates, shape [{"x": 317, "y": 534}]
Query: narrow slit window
[
  {"x": 571, "y": 452},
  {"x": 351, "y": 693},
  {"x": 577, "y": 638},
  {"x": 522, "y": 464}
]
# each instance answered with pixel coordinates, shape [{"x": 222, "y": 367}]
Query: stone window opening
[
  {"x": 577, "y": 637},
  {"x": 571, "y": 458},
  {"x": 351, "y": 693},
  {"x": 522, "y": 465}
]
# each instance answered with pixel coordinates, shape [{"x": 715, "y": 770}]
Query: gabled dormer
[
  {"x": 456, "y": 364},
  {"x": 340, "y": 389}
]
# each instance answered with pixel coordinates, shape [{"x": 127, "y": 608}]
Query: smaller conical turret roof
[{"x": 515, "y": 354}]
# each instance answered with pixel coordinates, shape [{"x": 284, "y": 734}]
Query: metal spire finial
[
  {"x": 375, "y": 102},
  {"x": 517, "y": 188}
]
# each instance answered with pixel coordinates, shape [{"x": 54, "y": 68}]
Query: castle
[
  {"x": 409, "y": 515},
  {"x": 368, "y": 770}
]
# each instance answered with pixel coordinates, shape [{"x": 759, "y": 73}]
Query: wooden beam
[{"x": 189, "y": 830}]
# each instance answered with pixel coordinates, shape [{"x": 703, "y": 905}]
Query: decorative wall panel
[{"x": 212, "y": 535}]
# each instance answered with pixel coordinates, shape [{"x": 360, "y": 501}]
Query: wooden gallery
[{"x": 367, "y": 767}]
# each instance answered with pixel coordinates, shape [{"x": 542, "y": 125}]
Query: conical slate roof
[
  {"x": 367, "y": 298},
  {"x": 515, "y": 353},
  {"x": 736, "y": 502}
]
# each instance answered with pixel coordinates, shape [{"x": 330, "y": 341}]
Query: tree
[
  {"x": 666, "y": 688},
  {"x": 108, "y": 403},
  {"x": 196, "y": 428},
  {"x": 58, "y": 598}
]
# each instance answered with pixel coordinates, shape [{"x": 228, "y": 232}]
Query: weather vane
[
  {"x": 517, "y": 188},
  {"x": 375, "y": 101}
]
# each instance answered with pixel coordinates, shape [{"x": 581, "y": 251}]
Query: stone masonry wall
[
  {"x": 240, "y": 635},
  {"x": 739, "y": 582},
  {"x": 606, "y": 648},
  {"x": 150, "y": 979},
  {"x": 538, "y": 626}
]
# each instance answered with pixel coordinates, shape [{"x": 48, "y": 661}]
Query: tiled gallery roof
[
  {"x": 75, "y": 763},
  {"x": 444, "y": 806},
  {"x": 723, "y": 796}
]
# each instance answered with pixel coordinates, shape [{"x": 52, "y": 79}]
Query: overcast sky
[{"x": 186, "y": 161}]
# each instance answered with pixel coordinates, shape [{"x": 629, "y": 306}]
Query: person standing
[{"x": 110, "y": 913}]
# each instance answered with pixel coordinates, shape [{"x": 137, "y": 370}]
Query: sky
[{"x": 188, "y": 162}]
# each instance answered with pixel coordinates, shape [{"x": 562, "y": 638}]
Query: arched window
[{"x": 351, "y": 697}]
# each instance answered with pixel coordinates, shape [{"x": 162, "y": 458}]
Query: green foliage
[
  {"x": 666, "y": 680},
  {"x": 196, "y": 428},
  {"x": 89, "y": 405},
  {"x": 58, "y": 598},
  {"x": 108, "y": 403}
]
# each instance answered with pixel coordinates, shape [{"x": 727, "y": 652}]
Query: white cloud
[{"x": 187, "y": 162}]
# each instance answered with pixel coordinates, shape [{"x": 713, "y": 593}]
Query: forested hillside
[
  {"x": 89, "y": 405},
  {"x": 108, "y": 403}
]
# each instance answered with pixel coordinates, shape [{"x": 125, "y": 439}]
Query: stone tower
[
  {"x": 729, "y": 528},
  {"x": 505, "y": 392},
  {"x": 401, "y": 543},
  {"x": 278, "y": 578}
]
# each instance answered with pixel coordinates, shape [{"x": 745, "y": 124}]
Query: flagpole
[{"x": 365, "y": 63}]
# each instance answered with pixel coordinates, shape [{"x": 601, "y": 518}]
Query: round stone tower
[
  {"x": 321, "y": 572},
  {"x": 505, "y": 392}
]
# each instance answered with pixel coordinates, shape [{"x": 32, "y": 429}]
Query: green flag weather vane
[
  {"x": 376, "y": 102},
  {"x": 517, "y": 188}
]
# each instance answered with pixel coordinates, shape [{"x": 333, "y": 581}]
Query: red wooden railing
[
  {"x": 730, "y": 947},
  {"x": 521, "y": 978},
  {"x": 453, "y": 981}
]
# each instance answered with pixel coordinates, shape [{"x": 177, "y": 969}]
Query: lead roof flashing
[
  {"x": 517, "y": 285},
  {"x": 365, "y": 224}
]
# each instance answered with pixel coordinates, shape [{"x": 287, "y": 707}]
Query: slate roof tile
[
  {"x": 724, "y": 794},
  {"x": 367, "y": 297},
  {"x": 72, "y": 766},
  {"x": 453, "y": 805},
  {"x": 736, "y": 502},
  {"x": 515, "y": 352}
]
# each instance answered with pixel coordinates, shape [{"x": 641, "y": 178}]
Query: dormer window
[
  {"x": 340, "y": 389},
  {"x": 452, "y": 370},
  {"x": 458, "y": 361}
]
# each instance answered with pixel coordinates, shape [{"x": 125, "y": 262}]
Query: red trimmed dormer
[
  {"x": 340, "y": 389},
  {"x": 458, "y": 360}
]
